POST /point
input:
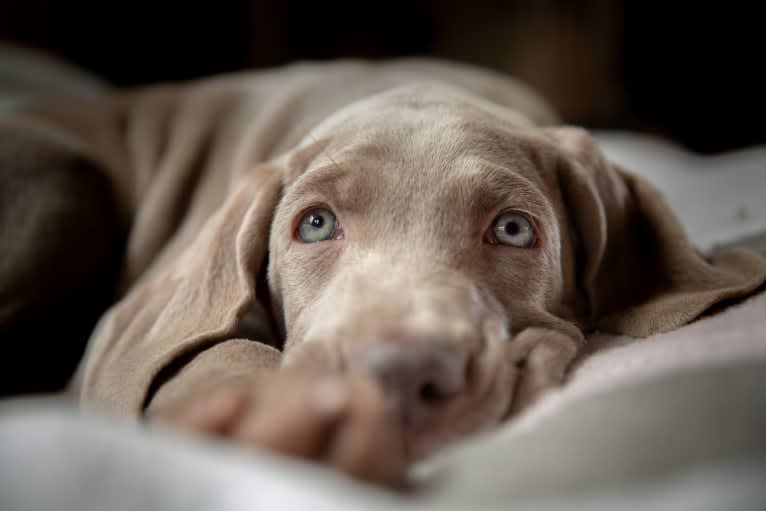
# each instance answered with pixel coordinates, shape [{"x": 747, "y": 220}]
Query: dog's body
[{"x": 467, "y": 236}]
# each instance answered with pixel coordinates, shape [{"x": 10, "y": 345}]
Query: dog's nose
[{"x": 418, "y": 377}]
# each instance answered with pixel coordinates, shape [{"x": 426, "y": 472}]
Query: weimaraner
[{"x": 353, "y": 263}]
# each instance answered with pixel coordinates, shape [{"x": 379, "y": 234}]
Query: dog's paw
[{"x": 337, "y": 420}]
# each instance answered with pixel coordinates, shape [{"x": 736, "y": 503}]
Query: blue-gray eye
[
  {"x": 514, "y": 229},
  {"x": 317, "y": 225}
]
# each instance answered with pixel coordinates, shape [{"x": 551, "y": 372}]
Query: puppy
[{"x": 358, "y": 263}]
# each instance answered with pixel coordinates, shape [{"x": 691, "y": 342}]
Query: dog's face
[
  {"x": 420, "y": 230},
  {"x": 419, "y": 234}
]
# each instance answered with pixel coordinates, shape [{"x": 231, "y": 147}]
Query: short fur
[{"x": 416, "y": 158}]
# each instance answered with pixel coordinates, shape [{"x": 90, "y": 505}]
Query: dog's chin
[{"x": 420, "y": 443}]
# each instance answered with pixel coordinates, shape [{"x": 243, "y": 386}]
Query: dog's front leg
[{"x": 333, "y": 419}]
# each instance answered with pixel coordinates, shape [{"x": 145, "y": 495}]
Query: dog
[{"x": 348, "y": 262}]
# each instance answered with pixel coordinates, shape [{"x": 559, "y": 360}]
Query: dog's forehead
[
  {"x": 436, "y": 112},
  {"x": 412, "y": 159},
  {"x": 431, "y": 134}
]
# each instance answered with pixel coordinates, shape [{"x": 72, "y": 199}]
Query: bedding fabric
[{"x": 674, "y": 421}]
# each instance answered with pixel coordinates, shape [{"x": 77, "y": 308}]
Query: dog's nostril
[
  {"x": 420, "y": 377},
  {"x": 430, "y": 393}
]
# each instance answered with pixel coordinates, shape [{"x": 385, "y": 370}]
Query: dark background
[{"x": 685, "y": 70}]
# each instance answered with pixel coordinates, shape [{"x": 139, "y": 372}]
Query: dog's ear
[
  {"x": 193, "y": 304},
  {"x": 637, "y": 269}
]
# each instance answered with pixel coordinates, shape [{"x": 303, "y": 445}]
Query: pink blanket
[{"x": 736, "y": 334}]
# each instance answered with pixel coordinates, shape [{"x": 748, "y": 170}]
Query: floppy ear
[
  {"x": 190, "y": 309},
  {"x": 638, "y": 270}
]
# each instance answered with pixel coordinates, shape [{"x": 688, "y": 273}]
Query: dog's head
[{"x": 420, "y": 230}]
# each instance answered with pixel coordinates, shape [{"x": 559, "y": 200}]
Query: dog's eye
[
  {"x": 512, "y": 228},
  {"x": 318, "y": 224}
]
